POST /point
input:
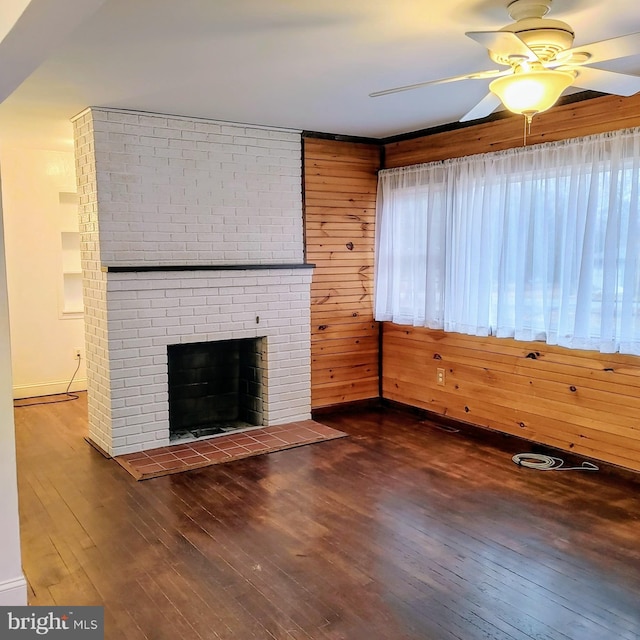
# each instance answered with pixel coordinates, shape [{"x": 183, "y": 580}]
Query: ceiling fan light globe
[{"x": 531, "y": 92}]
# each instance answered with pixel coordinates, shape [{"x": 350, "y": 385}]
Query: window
[{"x": 540, "y": 243}]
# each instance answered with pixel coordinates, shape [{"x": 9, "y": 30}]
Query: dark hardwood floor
[{"x": 399, "y": 531}]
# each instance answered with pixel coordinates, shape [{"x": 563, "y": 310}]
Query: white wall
[
  {"x": 13, "y": 587},
  {"x": 10, "y": 11},
  {"x": 43, "y": 339},
  {"x": 30, "y": 30},
  {"x": 28, "y": 45}
]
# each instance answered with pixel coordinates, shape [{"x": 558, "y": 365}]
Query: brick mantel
[{"x": 205, "y": 267}]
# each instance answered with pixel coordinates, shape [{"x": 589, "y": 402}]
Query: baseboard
[
  {"x": 13, "y": 593},
  {"x": 352, "y": 405},
  {"x": 47, "y": 388}
]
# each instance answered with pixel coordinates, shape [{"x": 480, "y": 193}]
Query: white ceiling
[{"x": 291, "y": 63}]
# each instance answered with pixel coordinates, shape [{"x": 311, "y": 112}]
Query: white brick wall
[
  {"x": 158, "y": 190},
  {"x": 182, "y": 191},
  {"x": 94, "y": 283},
  {"x": 148, "y": 311}
]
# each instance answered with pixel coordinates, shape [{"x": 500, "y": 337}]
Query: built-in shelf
[
  {"x": 72, "y": 283},
  {"x": 70, "y": 241},
  {"x": 72, "y": 303}
]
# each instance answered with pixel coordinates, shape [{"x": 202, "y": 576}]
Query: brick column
[{"x": 162, "y": 191}]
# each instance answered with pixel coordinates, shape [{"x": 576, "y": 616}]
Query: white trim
[
  {"x": 47, "y": 388},
  {"x": 35, "y": 35},
  {"x": 13, "y": 593}
]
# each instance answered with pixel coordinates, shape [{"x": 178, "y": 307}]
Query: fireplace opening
[{"x": 215, "y": 387}]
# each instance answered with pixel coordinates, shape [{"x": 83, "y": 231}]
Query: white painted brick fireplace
[{"x": 191, "y": 232}]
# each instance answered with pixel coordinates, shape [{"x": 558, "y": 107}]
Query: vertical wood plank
[{"x": 340, "y": 182}]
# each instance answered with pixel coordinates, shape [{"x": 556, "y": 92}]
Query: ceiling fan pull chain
[{"x": 528, "y": 117}]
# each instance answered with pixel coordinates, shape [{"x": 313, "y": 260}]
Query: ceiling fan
[{"x": 540, "y": 63}]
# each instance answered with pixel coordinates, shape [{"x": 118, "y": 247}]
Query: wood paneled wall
[
  {"x": 566, "y": 121},
  {"x": 579, "y": 401},
  {"x": 340, "y": 181},
  {"x": 584, "y": 402}
]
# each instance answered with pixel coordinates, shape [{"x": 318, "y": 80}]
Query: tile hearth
[{"x": 185, "y": 456}]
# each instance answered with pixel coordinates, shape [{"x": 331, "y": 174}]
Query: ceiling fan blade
[
  {"x": 480, "y": 75},
  {"x": 505, "y": 43},
  {"x": 619, "y": 47},
  {"x": 485, "y": 107},
  {"x": 619, "y": 84}
]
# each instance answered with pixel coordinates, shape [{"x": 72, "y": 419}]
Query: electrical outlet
[
  {"x": 77, "y": 354},
  {"x": 440, "y": 377}
]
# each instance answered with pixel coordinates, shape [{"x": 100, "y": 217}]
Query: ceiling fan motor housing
[
  {"x": 546, "y": 38},
  {"x": 519, "y": 9}
]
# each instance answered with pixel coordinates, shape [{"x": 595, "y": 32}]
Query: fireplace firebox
[{"x": 215, "y": 387}]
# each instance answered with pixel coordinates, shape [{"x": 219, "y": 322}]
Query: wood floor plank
[{"x": 402, "y": 530}]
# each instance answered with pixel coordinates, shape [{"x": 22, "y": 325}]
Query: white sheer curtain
[{"x": 536, "y": 243}]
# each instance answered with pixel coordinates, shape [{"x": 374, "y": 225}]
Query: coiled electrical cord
[
  {"x": 53, "y": 399},
  {"x": 549, "y": 463}
]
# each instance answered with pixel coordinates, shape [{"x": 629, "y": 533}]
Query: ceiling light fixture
[{"x": 531, "y": 89}]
